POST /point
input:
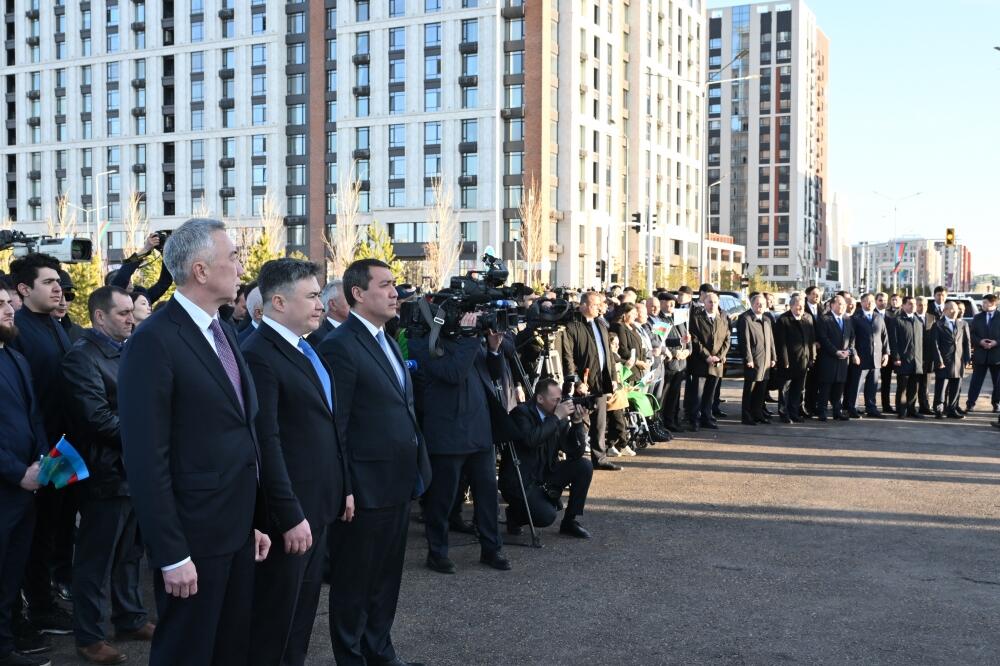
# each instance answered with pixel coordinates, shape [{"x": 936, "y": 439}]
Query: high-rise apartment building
[
  {"x": 767, "y": 137},
  {"x": 907, "y": 263}
]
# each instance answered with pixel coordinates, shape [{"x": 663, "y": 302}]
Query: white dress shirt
[
  {"x": 284, "y": 332},
  {"x": 595, "y": 327},
  {"x": 375, "y": 330},
  {"x": 333, "y": 322}
]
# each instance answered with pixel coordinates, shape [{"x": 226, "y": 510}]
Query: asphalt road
[{"x": 868, "y": 542}]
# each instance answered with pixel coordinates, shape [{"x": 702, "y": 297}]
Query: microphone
[{"x": 411, "y": 365}]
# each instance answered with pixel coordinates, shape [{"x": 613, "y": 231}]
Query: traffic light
[
  {"x": 602, "y": 269},
  {"x": 949, "y": 236},
  {"x": 744, "y": 282},
  {"x": 636, "y": 221}
]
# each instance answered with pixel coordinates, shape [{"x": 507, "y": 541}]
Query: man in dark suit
[
  {"x": 885, "y": 375},
  {"x": 460, "y": 417},
  {"x": 44, "y": 342},
  {"x": 22, "y": 443},
  {"x": 952, "y": 344},
  {"x": 709, "y": 329},
  {"x": 546, "y": 426},
  {"x": 336, "y": 311},
  {"x": 303, "y": 468},
  {"x": 815, "y": 309},
  {"x": 756, "y": 336},
  {"x": 936, "y": 307},
  {"x": 795, "y": 344},
  {"x": 906, "y": 340},
  {"x": 835, "y": 336},
  {"x": 255, "y": 311},
  {"x": 187, "y": 405},
  {"x": 927, "y": 320},
  {"x": 871, "y": 341},
  {"x": 107, "y": 553},
  {"x": 586, "y": 353},
  {"x": 377, "y": 425},
  {"x": 985, "y": 333},
  {"x": 676, "y": 350}
]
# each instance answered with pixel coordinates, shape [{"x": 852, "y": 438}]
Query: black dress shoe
[
  {"x": 875, "y": 415},
  {"x": 53, "y": 620},
  {"x": 719, "y": 414},
  {"x": 918, "y": 415},
  {"x": 841, "y": 417},
  {"x": 495, "y": 560},
  {"x": 766, "y": 420},
  {"x": 513, "y": 528},
  {"x": 691, "y": 427},
  {"x": 396, "y": 662},
  {"x": 796, "y": 419},
  {"x": 962, "y": 411},
  {"x": 31, "y": 641},
  {"x": 954, "y": 415},
  {"x": 461, "y": 526},
  {"x": 926, "y": 412},
  {"x": 607, "y": 467},
  {"x": 749, "y": 422},
  {"x": 440, "y": 564},
  {"x": 785, "y": 419},
  {"x": 21, "y": 659},
  {"x": 573, "y": 529},
  {"x": 821, "y": 418},
  {"x": 995, "y": 424},
  {"x": 711, "y": 425},
  {"x": 854, "y": 414}
]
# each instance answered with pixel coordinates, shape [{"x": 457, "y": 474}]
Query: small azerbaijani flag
[
  {"x": 62, "y": 466},
  {"x": 900, "y": 250},
  {"x": 661, "y": 328}
]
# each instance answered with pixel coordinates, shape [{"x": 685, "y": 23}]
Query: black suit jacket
[
  {"x": 90, "y": 391},
  {"x": 980, "y": 331},
  {"x": 795, "y": 343},
  {"x": 317, "y": 336},
  {"x": 628, "y": 341},
  {"x": 190, "y": 449},
  {"x": 950, "y": 349},
  {"x": 757, "y": 342},
  {"x": 376, "y": 419},
  {"x": 579, "y": 354},
  {"x": 244, "y": 333},
  {"x": 871, "y": 340},
  {"x": 906, "y": 338},
  {"x": 833, "y": 370},
  {"x": 43, "y": 342},
  {"x": 303, "y": 470},
  {"x": 709, "y": 337},
  {"x": 22, "y": 439}
]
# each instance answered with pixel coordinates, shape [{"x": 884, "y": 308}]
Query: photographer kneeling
[{"x": 547, "y": 425}]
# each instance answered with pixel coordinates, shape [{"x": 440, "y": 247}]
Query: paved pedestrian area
[{"x": 868, "y": 542}]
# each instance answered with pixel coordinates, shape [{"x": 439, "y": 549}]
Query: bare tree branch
[
  {"x": 533, "y": 231},
  {"x": 344, "y": 243},
  {"x": 444, "y": 250}
]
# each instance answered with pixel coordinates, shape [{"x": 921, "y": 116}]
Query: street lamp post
[
  {"x": 895, "y": 207},
  {"x": 702, "y": 257},
  {"x": 97, "y": 206}
]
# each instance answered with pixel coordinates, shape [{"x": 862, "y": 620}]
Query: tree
[
  {"x": 87, "y": 276},
  {"x": 378, "y": 245},
  {"x": 442, "y": 253},
  {"x": 759, "y": 284},
  {"x": 6, "y": 256},
  {"x": 64, "y": 223},
  {"x": 533, "y": 231},
  {"x": 268, "y": 239},
  {"x": 135, "y": 223},
  {"x": 683, "y": 276},
  {"x": 342, "y": 243}
]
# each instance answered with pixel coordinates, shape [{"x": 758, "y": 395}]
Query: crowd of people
[{"x": 249, "y": 441}]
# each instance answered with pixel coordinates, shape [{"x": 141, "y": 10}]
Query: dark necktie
[
  {"x": 840, "y": 323},
  {"x": 989, "y": 318},
  {"x": 391, "y": 357},
  {"x": 324, "y": 376},
  {"x": 228, "y": 360}
]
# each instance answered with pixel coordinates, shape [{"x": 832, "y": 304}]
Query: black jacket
[
  {"x": 978, "y": 330},
  {"x": 579, "y": 355},
  {"x": 628, "y": 342},
  {"x": 538, "y": 444},
  {"x": 871, "y": 340},
  {"x": 906, "y": 339},
  {"x": 317, "y": 336},
  {"x": 191, "y": 452},
  {"x": 708, "y": 338},
  {"x": 757, "y": 343},
  {"x": 22, "y": 436},
  {"x": 90, "y": 389},
  {"x": 950, "y": 349},
  {"x": 303, "y": 469},
  {"x": 833, "y": 370},
  {"x": 795, "y": 344},
  {"x": 930, "y": 358},
  {"x": 43, "y": 342},
  {"x": 376, "y": 419}
]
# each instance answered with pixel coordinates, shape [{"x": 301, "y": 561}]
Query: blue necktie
[
  {"x": 840, "y": 323},
  {"x": 384, "y": 344},
  {"x": 324, "y": 376}
]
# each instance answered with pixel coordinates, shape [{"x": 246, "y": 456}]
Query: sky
[{"x": 914, "y": 106}]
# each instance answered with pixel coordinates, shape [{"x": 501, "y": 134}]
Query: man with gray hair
[
  {"x": 336, "y": 309},
  {"x": 255, "y": 312},
  {"x": 187, "y": 405}
]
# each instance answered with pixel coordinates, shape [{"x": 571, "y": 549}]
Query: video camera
[
  {"x": 482, "y": 291},
  {"x": 549, "y": 314},
  {"x": 588, "y": 402},
  {"x": 65, "y": 250}
]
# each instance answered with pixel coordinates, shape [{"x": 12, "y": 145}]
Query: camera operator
[
  {"x": 461, "y": 412},
  {"x": 547, "y": 425},
  {"x": 586, "y": 352},
  {"x": 123, "y": 276}
]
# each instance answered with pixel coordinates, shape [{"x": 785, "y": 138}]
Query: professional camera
[
  {"x": 588, "y": 402},
  {"x": 65, "y": 250},
  {"x": 163, "y": 235},
  {"x": 549, "y": 314},
  {"x": 483, "y": 291}
]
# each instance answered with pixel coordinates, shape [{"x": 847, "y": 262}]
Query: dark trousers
[
  {"x": 211, "y": 627},
  {"x": 922, "y": 401},
  {"x": 17, "y": 523},
  {"x": 946, "y": 393},
  {"x": 699, "y": 395},
  {"x": 597, "y": 426},
  {"x": 906, "y": 394},
  {"x": 886, "y": 382},
  {"x": 573, "y": 474},
  {"x": 856, "y": 379},
  {"x": 367, "y": 558},
  {"x": 832, "y": 393},
  {"x": 671, "y": 405},
  {"x": 44, "y": 547},
  {"x": 107, "y": 556},
  {"x": 286, "y": 592},
  {"x": 790, "y": 395},
  {"x": 446, "y": 470},
  {"x": 811, "y": 389},
  {"x": 754, "y": 394},
  {"x": 976, "y": 383},
  {"x": 617, "y": 432}
]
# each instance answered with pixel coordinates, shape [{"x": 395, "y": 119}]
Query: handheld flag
[
  {"x": 661, "y": 328},
  {"x": 62, "y": 466}
]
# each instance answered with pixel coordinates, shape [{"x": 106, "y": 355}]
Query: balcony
[
  {"x": 227, "y": 162},
  {"x": 34, "y": 174},
  {"x": 139, "y": 82},
  {"x": 138, "y": 168},
  {"x": 31, "y": 14},
  {"x": 362, "y": 154},
  {"x": 227, "y": 103},
  {"x": 227, "y": 192},
  {"x": 467, "y": 181},
  {"x": 468, "y": 147},
  {"x": 33, "y": 41},
  {"x": 361, "y": 91},
  {"x": 361, "y": 58},
  {"x": 227, "y": 73},
  {"x": 513, "y": 10},
  {"x": 34, "y": 121},
  {"x": 468, "y": 47},
  {"x": 226, "y": 13},
  {"x": 138, "y": 26},
  {"x": 139, "y": 111},
  {"x": 469, "y": 81},
  {"x": 34, "y": 94},
  {"x": 34, "y": 201}
]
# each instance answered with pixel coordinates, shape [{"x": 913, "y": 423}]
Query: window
[
  {"x": 228, "y": 28},
  {"x": 198, "y": 149},
  {"x": 361, "y": 10},
  {"x": 468, "y": 197},
  {"x": 432, "y": 166},
  {"x": 470, "y": 30},
  {"x": 197, "y": 62},
  {"x": 297, "y": 114},
  {"x": 514, "y": 130},
  {"x": 515, "y": 29},
  {"x": 514, "y": 164},
  {"x": 397, "y": 38},
  {"x": 470, "y": 130},
  {"x": 297, "y": 24},
  {"x": 113, "y": 97},
  {"x": 514, "y": 63},
  {"x": 114, "y": 126},
  {"x": 362, "y": 107},
  {"x": 363, "y": 171},
  {"x": 259, "y": 114},
  {"x": 197, "y": 6},
  {"x": 362, "y": 43},
  {"x": 331, "y": 19},
  {"x": 297, "y": 144},
  {"x": 296, "y": 175},
  {"x": 432, "y": 67},
  {"x": 470, "y": 164},
  {"x": 397, "y": 199},
  {"x": 331, "y": 82},
  {"x": 260, "y": 84},
  {"x": 297, "y": 54},
  {"x": 432, "y": 99},
  {"x": 361, "y": 75},
  {"x": 112, "y": 72},
  {"x": 470, "y": 97},
  {"x": 259, "y": 54},
  {"x": 331, "y": 145},
  {"x": 397, "y": 7},
  {"x": 296, "y": 84},
  {"x": 197, "y": 91},
  {"x": 397, "y": 101},
  {"x": 470, "y": 64},
  {"x": 259, "y": 144},
  {"x": 258, "y": 23},
  {"x": 432, "y": 34},
  {"x": 397, "y": 166},
  {"x": 113, "y": 42},
  {"x": 197, "y": 119},
  {"x": 397, "y": 136},
  {"x": 432, "y": 133},
  {"x": 514, "y": 96},
  {"x": 197, "y": 30},
  {"x": 397, "y": 70},
  {"x": 229, "y": 58},
  {"x": 432, "y": 5}
]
